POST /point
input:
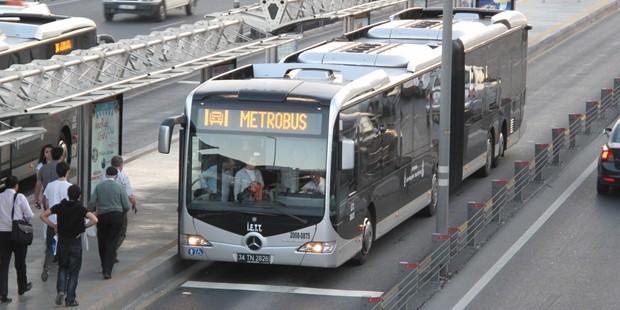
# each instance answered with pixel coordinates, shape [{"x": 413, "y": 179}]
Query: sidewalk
[{"x": 148, "y": 255}]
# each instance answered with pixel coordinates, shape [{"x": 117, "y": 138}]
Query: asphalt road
[
  {"x": 559, "y": 82},
  {"x": 570, "y": 263},
  {"x": 125, "y": 26}
]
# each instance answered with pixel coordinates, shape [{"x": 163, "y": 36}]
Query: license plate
[
  {"x": 253, "y": 258},
  {"x": 127, "y": 7}
]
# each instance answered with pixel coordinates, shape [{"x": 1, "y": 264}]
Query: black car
[{"x": 609, "y": 161}]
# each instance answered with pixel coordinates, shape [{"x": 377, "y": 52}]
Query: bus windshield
[{"x": 257, "y": 174}]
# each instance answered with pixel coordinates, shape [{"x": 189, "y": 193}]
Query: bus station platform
[{"x": 147, "y": 259}]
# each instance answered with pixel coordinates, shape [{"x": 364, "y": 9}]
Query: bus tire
[
  {"x": 500, "y": 152},
  {"x": 368, "y": 238},
  {"x": 160, "y": 14},
  {"x": 490, "y": 145},
  {"x": 431, "y": 209},
  {"x": 108, "y": 16},
  {"x": 189, "y": 9}
]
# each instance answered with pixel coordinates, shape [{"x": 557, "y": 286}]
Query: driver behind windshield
[
  {"x": 249, "y": 183},
  {"x": 315, "y": 185}
]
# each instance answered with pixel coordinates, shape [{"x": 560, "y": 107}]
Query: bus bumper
[{"x": 277, "y": 255}]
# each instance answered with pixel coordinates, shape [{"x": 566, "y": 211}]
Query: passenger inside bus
[{"x": 249, "y": 183}]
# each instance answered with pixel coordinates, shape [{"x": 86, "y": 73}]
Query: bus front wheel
[
  {"x": 486, "y": 169},
  {"x": 368, "y": 238}
]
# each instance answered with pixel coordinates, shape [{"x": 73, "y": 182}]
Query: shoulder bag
[{"x": 21, "y": 233}]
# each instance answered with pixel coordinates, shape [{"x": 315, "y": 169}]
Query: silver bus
[
  {"x": 309, "y": 161},
  {"x": 25, "y": 37}
]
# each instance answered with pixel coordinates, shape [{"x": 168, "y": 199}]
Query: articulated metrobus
[
  {"x": 24, "y": 38},
  {"x": 309, "y": 161}
]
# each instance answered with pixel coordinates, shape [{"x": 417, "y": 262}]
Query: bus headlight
[
  {"x": 195, "y": 240},
  {"x": 318, "y": 247}
]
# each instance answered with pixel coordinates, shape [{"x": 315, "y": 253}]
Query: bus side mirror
[
  {"x": 606, "y": 132},
  {"x": 347, "y": 160},
  {"x": 165, "y": 133},
  {"x": 165, "y": 138}
]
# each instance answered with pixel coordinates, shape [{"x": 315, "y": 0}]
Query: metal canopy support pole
[
  {"x": 444, "y": 120},
  {"x": 84, "y": 147}
]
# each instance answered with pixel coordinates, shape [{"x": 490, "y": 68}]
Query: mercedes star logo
[{"x": 254, "y": 243}]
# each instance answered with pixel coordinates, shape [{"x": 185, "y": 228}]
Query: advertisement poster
[{"x": 105, "y": 138}]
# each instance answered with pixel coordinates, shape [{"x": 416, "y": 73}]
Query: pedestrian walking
[
  {"x": 48, "y": 174},
  {"x": 44, "y": 157},
  {"x": 109, "y": 200},
  {"x": 122, "y": 179},
  {"x": 53, "y": 194},
  {"x": 13, "y": 206},
  {"x": 70, "y": 227}
]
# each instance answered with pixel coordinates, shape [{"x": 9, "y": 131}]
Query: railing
[{"x": 46, "y": 86}]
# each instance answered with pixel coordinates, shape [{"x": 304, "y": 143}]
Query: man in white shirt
[
  {"x": 315, "y": 185},
  {"x": 53, "y": 194},
  {"x": 247, "y": 176},
  {"x": 11, "y": 202}
]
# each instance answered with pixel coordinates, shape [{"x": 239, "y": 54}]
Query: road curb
[{"x": 565, "y": 32}]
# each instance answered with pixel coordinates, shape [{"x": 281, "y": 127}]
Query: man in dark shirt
[{"x": 71, "y": 215}]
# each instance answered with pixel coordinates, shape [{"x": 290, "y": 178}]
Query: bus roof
[
  {"x": 424, "y": 26},
  {"x": 258, "y": 89},
  {"x": 19, "y": 29}
]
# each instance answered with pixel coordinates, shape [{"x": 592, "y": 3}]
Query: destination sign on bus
[
  {"x": 63, "y": 46},
  {"x": 262, "y": 121}
]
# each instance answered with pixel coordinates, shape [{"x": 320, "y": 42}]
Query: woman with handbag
[{"x": 14, "y": 212}]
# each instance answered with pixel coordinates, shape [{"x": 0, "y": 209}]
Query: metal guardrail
[
  {"x": 507, "y": 195},
  {"x": 66, "y": 81}
]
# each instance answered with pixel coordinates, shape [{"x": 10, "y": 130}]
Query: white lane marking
[
  {"x": 189, "y": 82},
  {"x": 280, "y": 289},
  {"x": 497, "y": 267},
  {"x": 62, "y": 2},
  {"x": 168, "y": 25}
]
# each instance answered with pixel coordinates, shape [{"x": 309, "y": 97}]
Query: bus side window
[{"x": 347, "y": 179}]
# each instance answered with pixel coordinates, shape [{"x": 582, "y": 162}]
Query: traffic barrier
[
  {"x": 574, "y": 128},
  {"x": 606, "y": 101},
  {"x": 499, "y": 197},
  {"x": 591, "y": 115},
  {"x": 558, "y": 137},
  {"x": 521, "y": 177},
  {"x": 541, "y": 159}
]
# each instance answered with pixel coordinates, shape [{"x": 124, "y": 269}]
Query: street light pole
[{"x": 443, "y": 173}]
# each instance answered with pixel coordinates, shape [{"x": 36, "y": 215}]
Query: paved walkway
[{"x": 151, "y": 238}]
